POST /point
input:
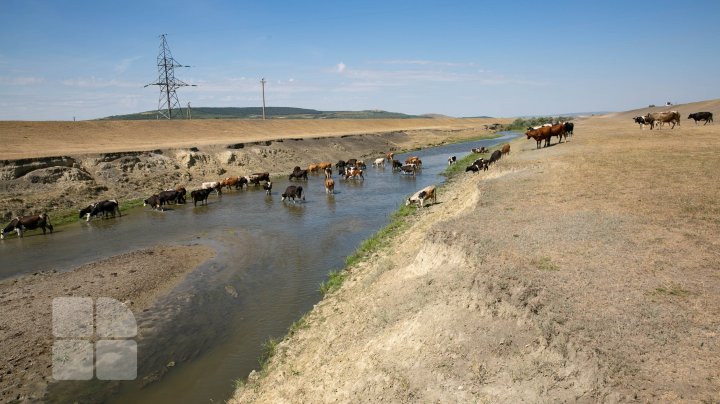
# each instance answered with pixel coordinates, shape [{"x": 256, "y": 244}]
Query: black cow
[
  {"x": 472, "y": 168},
  {"x": 257, "y": 177},
  {"x": 267, "y": 187},
  {"x": 200, "y": 195},
  {"x": 701, "y": 116},
  {"x": 105, "y": 207},
  {"x": 396, "y": 165},
  {"x": 168, "y": 196},
  {"x": 293, "y": 192},
  {"x": 351, "y": 162},
  {"x": 153, "y": 201},
  {"x": 298, "y": 174},
  {"x": 495, "y": 156},
  {"x": 22, "y": 223},
  {"x": 482, "y": 164},
  {"x": 340, "y": 165},
  {"x": 569, "y": 127},
  {"x": 181, "y": 192}
]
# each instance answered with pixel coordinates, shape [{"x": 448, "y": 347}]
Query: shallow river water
[{"x": 271, "y": 258}]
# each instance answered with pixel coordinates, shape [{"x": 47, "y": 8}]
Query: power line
[{"x": 167, "y": 82}]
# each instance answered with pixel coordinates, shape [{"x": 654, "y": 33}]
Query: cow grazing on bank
[
  {"x": 569, "y": 127},
  {"x": 267, "y": 186},
  {"x": 22, "y": 223},
  {"x": 701, "y": 116},
  {"x": 421, "y": 196},
  {"x": 495, "y": 156},
  {"x": 480, "y": 150},
  {"x": 505, "y": 149},
  {"x": 255, "y": 178},
  {"x": 200, "y": 195},
  {"x": 105, "y": 207},
  {"x": 329, "y": 186},
  {"x": 540, "y": 134},
  {"x": 452, "y": 160},
  {"x": 293, "y": 192}
]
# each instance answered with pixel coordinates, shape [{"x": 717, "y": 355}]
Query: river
[{"x": 271, "y": 258}]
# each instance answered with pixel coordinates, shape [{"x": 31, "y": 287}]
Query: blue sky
[{"x": 89, "y": 59}]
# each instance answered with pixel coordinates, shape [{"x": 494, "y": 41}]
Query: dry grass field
[
  {"x": 23, "y": 139},
  {"x": 586, "y": 271}
]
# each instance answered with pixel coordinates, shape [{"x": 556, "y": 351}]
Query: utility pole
[{"x": 262, "y": 81}]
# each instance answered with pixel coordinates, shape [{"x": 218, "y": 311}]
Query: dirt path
[
  {"x": 586, "y": 271},
  {"x": 26, "y": 305}
]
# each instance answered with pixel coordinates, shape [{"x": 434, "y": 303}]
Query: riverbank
[
  {"x": 582, "y": 271},
  {"x": 26, "y": 337},
  {"x": 92, "y": 172}
]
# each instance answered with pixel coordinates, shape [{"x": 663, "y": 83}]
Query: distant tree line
[{"x": 524, "y": 123}]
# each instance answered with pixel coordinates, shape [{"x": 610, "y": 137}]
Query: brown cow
[
  {"x": 354, "y": 173},
  {"x": 505, "y": 149},
  {"x": 329, "y": 186},
  {"x": 390, "y": 156},
  {"x": 324, "y": 165},
  {"x": 540, "y": 134},
  {"x": 414, "y": 160},
  {"x": 422, "y": 195},
  {"x": 558, "y": 130},
  {"x": 313, "y": 168},
  {"x": 664, "y": 117},
  {"x": 237, "y": 182}
]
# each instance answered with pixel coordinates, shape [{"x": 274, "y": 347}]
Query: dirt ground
[
  {"x": 26, "y": 305},
  {"x": 136, "y": 159},
  {"x": 586, "y": 271}
]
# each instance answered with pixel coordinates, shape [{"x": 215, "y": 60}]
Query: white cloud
[
  {"x": 94, "y": 82},
  {"x": 125, "y": 64},
  {"x": 21, "y": 81},
  {"x": 340, "y": 67}
]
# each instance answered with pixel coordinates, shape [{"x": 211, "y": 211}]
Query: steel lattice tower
[{"x": 168, "y": 100}]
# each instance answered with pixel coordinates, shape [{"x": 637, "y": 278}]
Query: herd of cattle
[
  {"x": 670, "y": 117},
  {"x": 350, "y": 169},
  {"x": 547, "y": 131}
]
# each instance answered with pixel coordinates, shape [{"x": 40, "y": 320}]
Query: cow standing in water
[
  {"x": 293, "y": 192},
  {"x": 22, "y": 223}
]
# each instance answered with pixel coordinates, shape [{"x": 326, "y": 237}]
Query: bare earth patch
[
  {"x": 586, "y": 271},
  {"x": 26, "y": 306}
]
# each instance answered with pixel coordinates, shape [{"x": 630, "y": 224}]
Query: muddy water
[{"x": 271, "y": 258}]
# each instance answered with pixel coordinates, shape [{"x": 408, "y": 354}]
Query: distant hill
[{"x": 270, "y": 113}]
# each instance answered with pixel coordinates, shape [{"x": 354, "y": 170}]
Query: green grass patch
[
  {"x": 673, "y": 289},
  {"x": 298, "y": 325},
  {"x": 545, "y": 264},
  {"x": 269, "y": 349},
  {"x": 66, "y": 216}
]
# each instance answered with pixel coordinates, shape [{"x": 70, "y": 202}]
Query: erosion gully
[{"x": 271, "y": 258}]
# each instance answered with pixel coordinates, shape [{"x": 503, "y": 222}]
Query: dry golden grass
[{"x": 22, "y": 139}]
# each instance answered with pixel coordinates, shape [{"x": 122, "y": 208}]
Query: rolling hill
[{"x": 270, "y": 112}]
